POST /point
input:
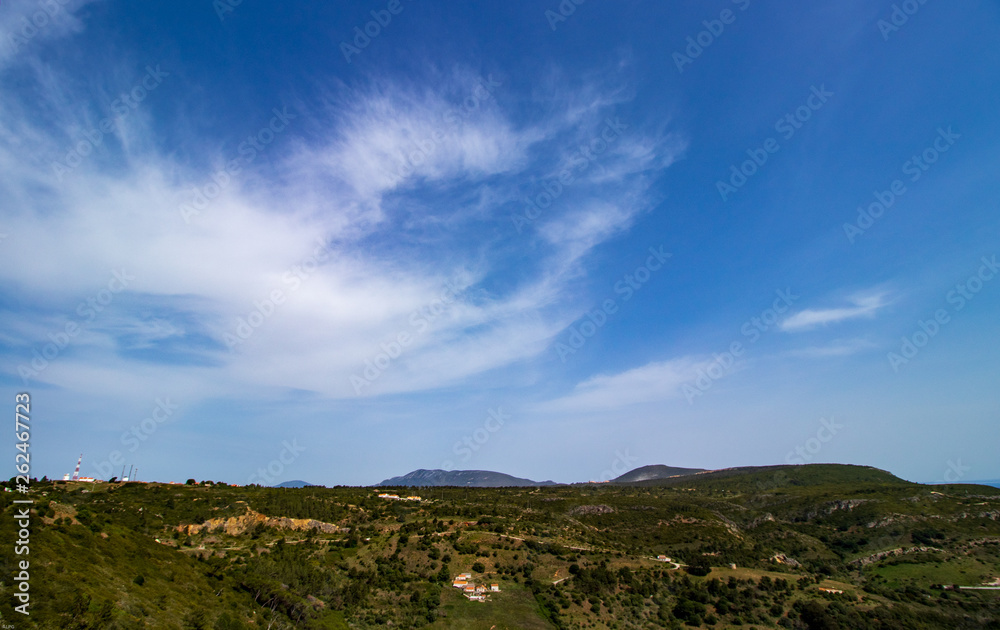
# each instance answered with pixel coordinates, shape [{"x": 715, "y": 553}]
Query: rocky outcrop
[
  {"x": 592, "y": 509},
  {"x": 833, "y": 506},
  {"x": 238, "y": 525},
  {"x": 849, "y": 504},
  {"x": 760, "y": 520},
  {"x": 882, "y": 555},
  {"x": 781, "y": 558}
]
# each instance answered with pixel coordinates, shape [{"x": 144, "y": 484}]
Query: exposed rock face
[
  {"x": 760, "y": 520},
  {"x": 592, "y": 509},
  {"x": 237, "y": 525},
  {"x": 849, "y": 504},
  {"x": 781, "y": 558},
  {"x": 833, "y": 506},
  {"x": 875, "y": 557}
]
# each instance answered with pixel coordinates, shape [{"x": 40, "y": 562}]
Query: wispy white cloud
[
  {"x": 26, "y": 25},
  {"x": 862, "y": 306},
  {"x": 390, "y": 136},
  {"x": 652, "y": 382},
  {"x": 330, "y": 191},
  {"x": 838, "y": 348}
]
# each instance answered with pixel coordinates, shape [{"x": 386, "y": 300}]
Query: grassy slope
[
  {"x": 514, "y": 608},
  {"x": 822, "y": 516}
]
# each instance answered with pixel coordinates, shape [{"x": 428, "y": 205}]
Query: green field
[{"x": 511, "y": 609}]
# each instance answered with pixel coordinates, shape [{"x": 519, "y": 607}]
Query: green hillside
[{"x": 584, "y": 556}]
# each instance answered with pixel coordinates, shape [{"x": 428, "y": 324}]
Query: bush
[
  {"x": 478, "y": 567},
  {"x": 228, "y": 622}
]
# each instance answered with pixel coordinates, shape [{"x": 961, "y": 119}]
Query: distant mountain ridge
[
  {"x": 659, "y": 474},
  {"x": 761, "y": 477},
  {"x": 294, "y": 483},
  {"x": 655, "y": 471},
  {"x": 470, "y": 478}
]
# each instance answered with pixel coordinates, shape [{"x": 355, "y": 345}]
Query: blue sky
[{"x": 256, "y": 242}]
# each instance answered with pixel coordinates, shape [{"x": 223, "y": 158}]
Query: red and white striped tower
[{"x": 76, "y": 473}]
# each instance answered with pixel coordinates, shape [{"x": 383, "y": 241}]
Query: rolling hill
[
  {"x": 811, "y": 546},
  {"x": 655, "y": 471}
]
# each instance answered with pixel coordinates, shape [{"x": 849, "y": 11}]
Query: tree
[
  {"x": 190, "y": 482},
  {"x": 699, "y": 566}
]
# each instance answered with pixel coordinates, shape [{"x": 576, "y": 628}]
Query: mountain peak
[{"x": 654, "y": 471}]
